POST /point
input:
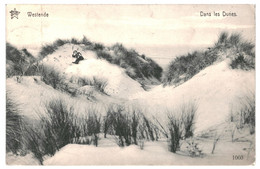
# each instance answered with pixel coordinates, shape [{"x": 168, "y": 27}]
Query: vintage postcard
[{"x": 130, "y": 84}]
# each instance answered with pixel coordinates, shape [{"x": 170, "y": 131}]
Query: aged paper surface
[{"x": 130, "y": 84}]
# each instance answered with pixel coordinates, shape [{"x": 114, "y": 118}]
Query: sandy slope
[
  {"x": 32, "y": 95},
  {"x": 118, "y": 83},
  {"x": 154, "y": 153},
  {"x": 215, "y": 90}
]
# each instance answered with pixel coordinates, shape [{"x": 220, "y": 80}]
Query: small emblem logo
[{"x": 14, "y": 13}]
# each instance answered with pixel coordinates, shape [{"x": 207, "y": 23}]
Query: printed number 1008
[{"x": 238, "y": 157}]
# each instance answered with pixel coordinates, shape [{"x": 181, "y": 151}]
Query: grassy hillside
[
  {"x": 240, "y": 52},
  {"x": 17, "y": 61},
  {"x": 138, "y": 67}
]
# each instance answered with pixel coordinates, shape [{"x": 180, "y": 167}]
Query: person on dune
[{"x": 78, "y": 56}]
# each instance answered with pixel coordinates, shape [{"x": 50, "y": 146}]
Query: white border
[{"x": 3, "y": 63}]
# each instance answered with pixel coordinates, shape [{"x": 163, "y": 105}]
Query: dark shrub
[
  {"x": 12, "y": 53},
  {"x": 149, "y": 129},
  {"x": 188, "y": 111},
  {"x": 51, "y": 48},
  {"x": 175, "y": 134},
  {"x": 184, "y": 67},
  {"x": 105, "y": 55},
  {"x": 130, "y": 60},
  {"x": 34, "y": 143},
  {"x": 59, "y": 128},
  {"x": 245, "y": 115},
  {"x": 124, "y": 124},
  {"x": 17, "y": 61},
  {"x": 98, "y": 46},
  {"x": 121, "y": 126},
  {"x": 181, "y": 124},
  {"x": 234, "y": 39},
  {"x": 223, "y": 37},
  {"x": 55, "y": 130},
  {"x": 240, "y": 62},
  {"x": 75, "y": 41},
  {"x": 85, "y": 41},
  {"x": 50, "y": 76},
  {"x": 59, "y": 42},
  {"x": 92, "y": 126},
  {"x": 47, "y": 50},
  {"x": 98, "y": 83},
  {"x": 13, "y": 126},
  {"x": 134, "y": 126}
]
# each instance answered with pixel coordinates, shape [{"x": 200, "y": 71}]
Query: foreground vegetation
[{"x": 61, "y": 125}]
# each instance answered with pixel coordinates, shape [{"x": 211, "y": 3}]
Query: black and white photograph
[{"x": 130, "y": 84}]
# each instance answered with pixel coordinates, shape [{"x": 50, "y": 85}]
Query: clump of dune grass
[
  {"x": 52, "y": 47},
  {"x": 241, "y": 53},
  {"x": 17, "y": 61},
  {"x": 60, "y": 125},
  {"x": 181, "y": 124},
  {"x": 244, "y": 116},
  {"x": 137, "y": 66},
  {"x": 99, "y": 83},
  {"x": 13, "y": 126},
  {"x": 129, "y": 126}
]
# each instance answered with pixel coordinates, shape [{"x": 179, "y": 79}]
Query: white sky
[{"x": 128, "y": 24}]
